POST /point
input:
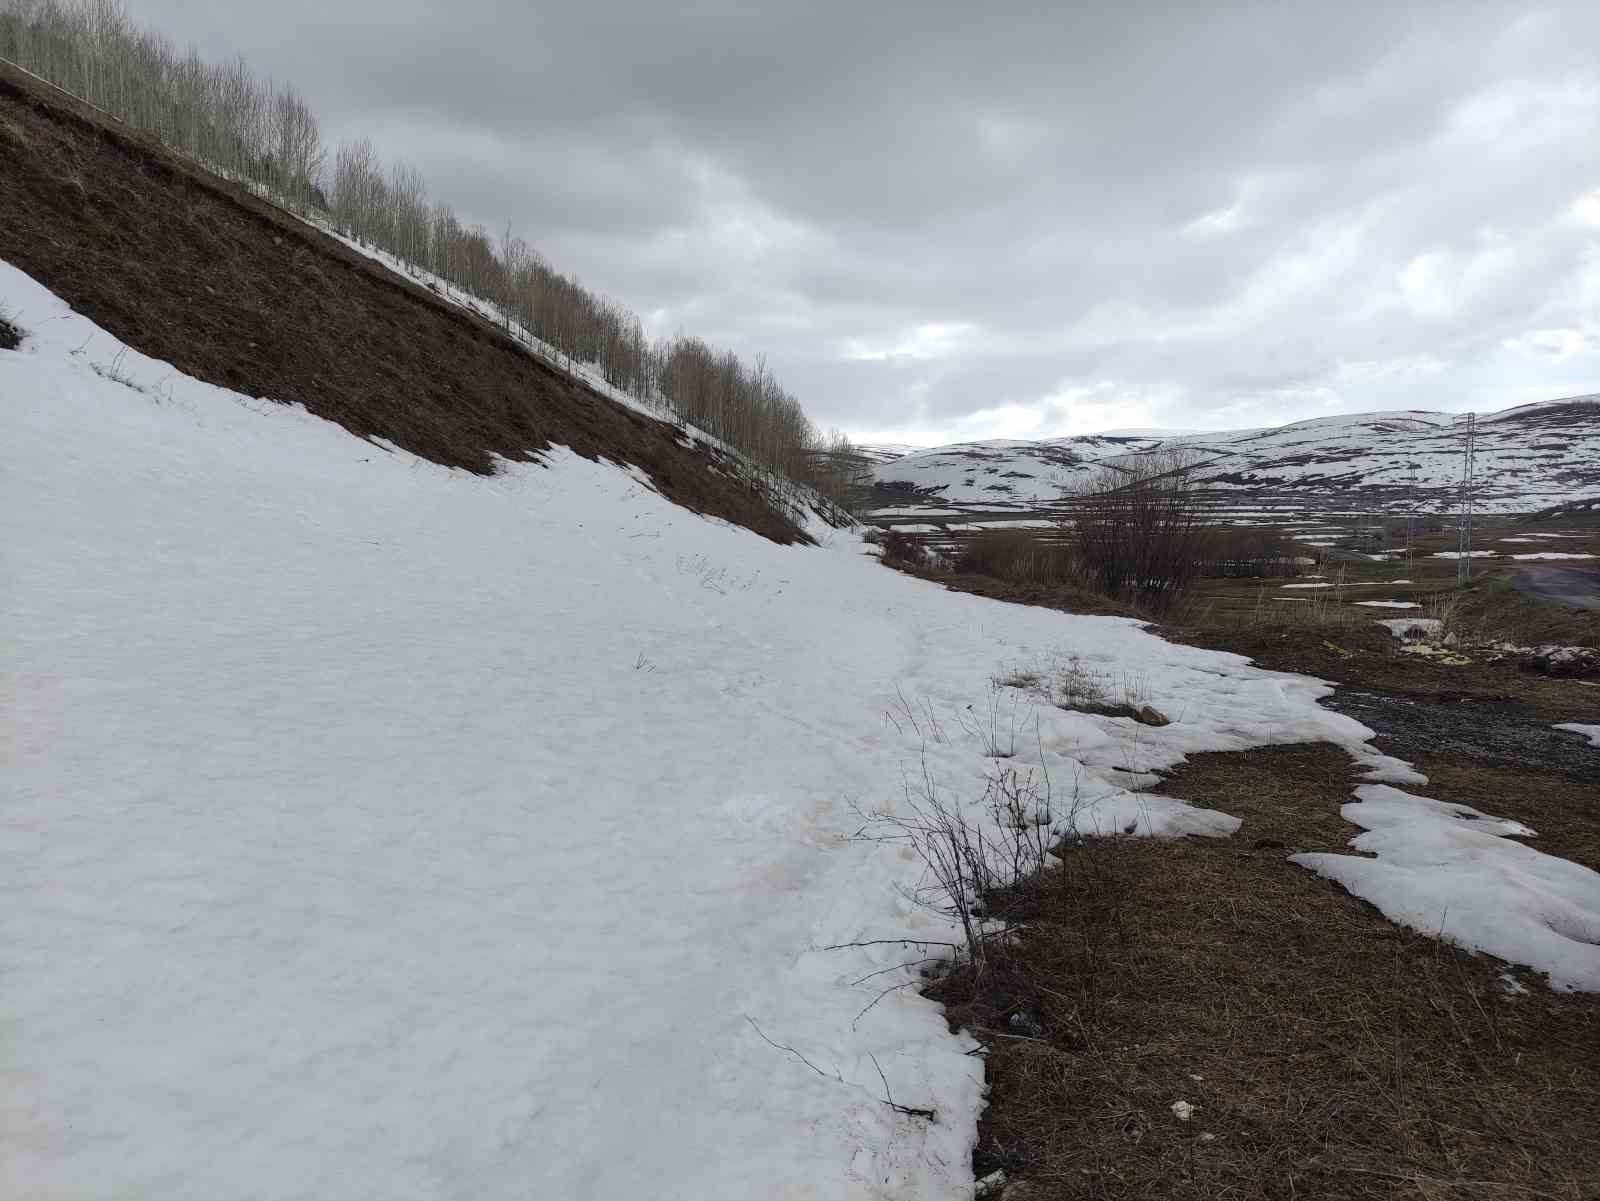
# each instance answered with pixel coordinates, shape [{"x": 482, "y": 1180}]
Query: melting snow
[
  {"x": 1454, "y": 872},
  {"x": 1592, "y": 733},
  {"x": 1402, "y": 627}
]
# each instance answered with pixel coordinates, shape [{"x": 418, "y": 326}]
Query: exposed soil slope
[{"x": 188, "y": 268}]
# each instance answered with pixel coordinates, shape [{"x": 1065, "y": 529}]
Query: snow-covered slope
[
  {"x": 374, "y": 829},
  {"x": 1003, "y": 473},
  {"x": 1528, "y": 458}
]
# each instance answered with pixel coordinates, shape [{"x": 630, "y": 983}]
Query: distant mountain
[{"x": 1529, "y": 457}]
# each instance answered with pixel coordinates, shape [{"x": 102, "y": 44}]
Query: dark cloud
[{"x": 977, "y": 220}]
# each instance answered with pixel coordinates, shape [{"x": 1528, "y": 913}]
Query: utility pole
[
  {"x": 1469, "y": 422},
  {"x": 1411, "y": 515}
]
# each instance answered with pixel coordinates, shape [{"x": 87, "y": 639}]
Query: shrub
[
  {"x": 1235, "y": 553},
  {"x": 1017, "y": 557},
  {"x": 900, "y": 547},
  {"x": 10, "y": 335},
  {"x": 1138, "y": 528}
]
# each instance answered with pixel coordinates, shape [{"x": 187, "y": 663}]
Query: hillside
[
  {"x": 1528, "y": 458},
  {"x": 227, "y": 288}
]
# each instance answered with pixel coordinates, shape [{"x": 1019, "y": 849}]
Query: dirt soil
[
  {"x": 1495, "y": 733},
  {"x": 187, "y": 268}
]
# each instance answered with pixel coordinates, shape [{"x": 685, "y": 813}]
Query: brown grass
[
  {"x": 1330, "y": 1054},
  {"x": 1068, "y": 597},
  {"x": 1493, "y": 610}
]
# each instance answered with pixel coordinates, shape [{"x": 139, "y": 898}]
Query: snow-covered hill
[{"x": 1528, "y": 458}]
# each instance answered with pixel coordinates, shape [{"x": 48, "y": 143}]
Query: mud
[{"x": 1497, "y": 733}]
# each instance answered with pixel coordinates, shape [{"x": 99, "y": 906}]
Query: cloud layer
[{"x": 944, "y": 222}]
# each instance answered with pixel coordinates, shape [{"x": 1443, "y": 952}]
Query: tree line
[{"x": 263, "y": 134}]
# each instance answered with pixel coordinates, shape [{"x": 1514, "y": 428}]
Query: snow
[
  {"x": 1389, "y": 604},
  {"x": 1431, "y": 627},
  {"x": 375, "y": 829},
  {"x": 1347, "y": 584},
  {"x": 1456, "y": 554},
  {"x": 1592, "y": 733},
  {"x": 1553, "y": 555},
  {"x": 1454, "y": 872},
  {"x": 370, "y": 828},
  {"x": 1313, "y": 465}
]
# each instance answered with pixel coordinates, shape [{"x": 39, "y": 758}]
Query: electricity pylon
[{"x": 1468, "y": 495}]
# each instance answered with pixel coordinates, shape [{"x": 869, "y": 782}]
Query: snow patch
[
  {"x": 1454, "y": 872},
  {"x": 1592, "y": 733}
]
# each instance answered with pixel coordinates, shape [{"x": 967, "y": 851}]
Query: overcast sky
[{"x": 943, "y": 222}]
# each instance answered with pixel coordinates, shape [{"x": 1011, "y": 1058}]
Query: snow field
[{"x": 374, "y": 829}]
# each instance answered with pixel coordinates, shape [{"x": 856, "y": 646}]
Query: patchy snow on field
[
  {"x": 1530, "y": 457},
  {"x": 1388, "y": 604},
  {"x": 1553, "y": 555},
  {"x": 1454, "y": 872},
  {"x": 1347, "y": 584},
  {"x": 1592, "y": 733},
  {"x": 1456, "y": 554},
  {"x": 373, "y": 829}
]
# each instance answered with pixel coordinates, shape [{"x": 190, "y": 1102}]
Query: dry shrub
[
  {"x": 901, "y": 548},
  {"x": 1138, "y": 528},
  {"x": 1017, "y": 557},
  {"x": 1235, "y": 553}
]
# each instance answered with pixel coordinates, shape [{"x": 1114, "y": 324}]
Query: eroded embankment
[{"x": 185, "y": 267}]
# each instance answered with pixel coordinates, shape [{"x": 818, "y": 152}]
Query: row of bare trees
[{"x": 263, "y": 134}]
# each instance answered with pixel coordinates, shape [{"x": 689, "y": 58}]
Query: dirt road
[{"x": 1577, "y": 587}]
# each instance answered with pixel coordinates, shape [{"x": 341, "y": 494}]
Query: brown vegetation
[{"x": 1327, "y": 1052}]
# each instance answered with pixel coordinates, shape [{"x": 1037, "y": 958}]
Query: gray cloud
[{"x": 946, "y": 221}]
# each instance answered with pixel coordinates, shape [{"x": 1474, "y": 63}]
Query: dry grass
[
  {"x": 1329, "y": 1054},
  {"x": 1067, "y": 682},
  {"x": 1068, "y": 597},
  {"x": 1492, "y": 610}
]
